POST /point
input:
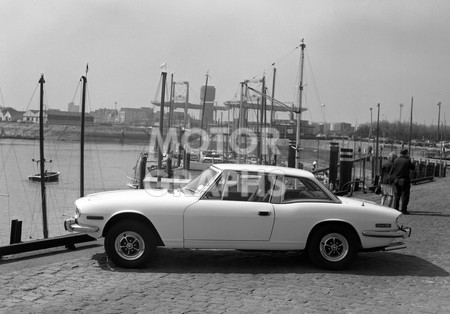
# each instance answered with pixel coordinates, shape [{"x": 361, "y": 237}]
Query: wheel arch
[
  {"x": 136, "y": 217},
  {"x": 335, "y": 223}
]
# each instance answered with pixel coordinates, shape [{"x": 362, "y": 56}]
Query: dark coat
[{"x": 402, "y": 167}]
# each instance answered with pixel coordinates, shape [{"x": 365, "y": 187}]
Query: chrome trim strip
[{"x": 401, "y": 233}]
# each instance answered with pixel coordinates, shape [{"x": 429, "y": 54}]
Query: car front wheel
[
  {"x": 130, "y": 244},
  {"x": 333, "y": 247}
]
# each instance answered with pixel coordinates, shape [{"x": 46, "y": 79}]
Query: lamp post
[
  {"x": 439, "y": 119},
  {"x": 370, "y": 131},
  {"x": 377, "y": 142},
  {"x": 324, "y": 132},
  {"x": 438, "y": 138},
  {"x": 400, "y": 118},
  {"x": 324, "y": 120}
]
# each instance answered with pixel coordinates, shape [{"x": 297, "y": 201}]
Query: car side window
[
  {"x": 264, "y": 190},
  {"x": 236, "y": 186},
  {"x": 295, "y": 189},
  {"x": 216, "y": 190}
]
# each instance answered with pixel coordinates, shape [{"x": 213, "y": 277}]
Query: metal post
[
  {"x": 42, "y": 158},
  {"x": 83, "y": 111},
  {"x": 439, "y": 138},
  {"x": 161, "y": 118},
  {"x": 299, "y": 114},
  {"x": 186, "y": 104},
  {"x": 377, "y": 142},
  {"x": 272, "y": 109},
  {"x": 241, "y": 120},
  {"x": 203, "y": 108}
]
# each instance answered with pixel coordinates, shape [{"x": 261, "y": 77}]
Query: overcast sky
[{"x": 358, "y": 53}]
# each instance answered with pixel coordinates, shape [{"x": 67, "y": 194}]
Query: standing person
[
  {"x": 402, "y": 167},
  {"x": 388, "y": 189}
]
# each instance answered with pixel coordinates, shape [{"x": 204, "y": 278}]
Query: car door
[
  {"x": 233, "y": 209},
  {"x": 299, "y": 203}
]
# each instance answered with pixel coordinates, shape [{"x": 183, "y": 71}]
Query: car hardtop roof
[{"x": 264, "y": 168}]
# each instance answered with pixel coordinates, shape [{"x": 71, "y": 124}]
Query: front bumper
[
  {"x": 403, "y": 232},
  {"x": 72, "y": 226},
  {"x": 395, "y": 246}
]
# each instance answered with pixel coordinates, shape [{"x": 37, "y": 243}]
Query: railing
[{"x": 365, "y": 174}]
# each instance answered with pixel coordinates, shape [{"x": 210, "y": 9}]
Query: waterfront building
[
  {"x": 11, "y": 115},
  {"x": 341, "y": 129},
  {"x": 136, "y": 116},
  {"x": 105, "y": 116},
  {"x": 71, "y": 107},
  {"x": 32, "y": 116}
]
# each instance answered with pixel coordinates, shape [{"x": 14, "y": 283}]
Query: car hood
[{"x": 126, "y": 199}]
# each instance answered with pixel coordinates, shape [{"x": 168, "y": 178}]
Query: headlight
[
  {"x": 77, "y": 212},
  {"x": 396, "y": 222}
]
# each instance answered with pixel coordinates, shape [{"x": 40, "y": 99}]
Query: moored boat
[{"x": 49, "y": 176}]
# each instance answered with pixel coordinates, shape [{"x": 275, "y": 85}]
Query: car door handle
[{"x": 263, "y": 213}]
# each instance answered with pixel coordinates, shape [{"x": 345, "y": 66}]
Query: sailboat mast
[
  {"x": 377, "y": 162},
  {"x": 171, "y": 96},
  {"x": 299, "y": 114},
  {"x": 241, "y": 120},
  {"x": 263, "y": 121},
  {"x": 42, "y": 158},
  {"x": 271, "y": 108},
  {"x": 273, "y": 96},
  {"x": 410, "y": 124},
  {"x": 161, "y": 118},
  {"x": 204, "y": 107},
  {"x": 83, "y": 110}
]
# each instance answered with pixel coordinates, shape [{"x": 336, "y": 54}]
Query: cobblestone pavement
[{"x": 413, "y": 280}]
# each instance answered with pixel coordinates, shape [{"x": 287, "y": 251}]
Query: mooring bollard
[
  {"x": 142, "y": 170},
  {"x": 334, "y": 158},
  {"x": 345, "y": 168},
  {"x": 16, "y": 231},
  {"x": 291, "y": 155},
  {"x": 187, "y": 161}
]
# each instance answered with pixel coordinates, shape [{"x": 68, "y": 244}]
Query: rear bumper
[{"x": 403, "y": 232}]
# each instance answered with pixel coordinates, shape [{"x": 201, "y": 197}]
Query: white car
[{"x": 239, "y": 206}]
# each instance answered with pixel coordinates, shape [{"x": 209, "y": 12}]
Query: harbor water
[{"x": 106, "y": 168}]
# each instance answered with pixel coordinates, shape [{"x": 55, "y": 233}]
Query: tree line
[{"x": 400, "y": 131}]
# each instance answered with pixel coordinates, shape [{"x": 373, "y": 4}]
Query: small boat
[
  {"x": 211, "y": 156},
  {"x": 49, "y": 176}
]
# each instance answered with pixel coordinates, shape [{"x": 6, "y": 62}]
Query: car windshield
[{"x": 204, "y": 179}]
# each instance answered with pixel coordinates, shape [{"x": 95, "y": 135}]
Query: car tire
[
  {"x": 130, "y": 244},
  {"x": 333, "y": 247}
]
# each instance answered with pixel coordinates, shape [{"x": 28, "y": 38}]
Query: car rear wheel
[
  {"x": 333, "y": 247},
  {"x": 130, "y": 244}
]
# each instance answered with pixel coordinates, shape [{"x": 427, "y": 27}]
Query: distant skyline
[{"x": 358, "y": 53}]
